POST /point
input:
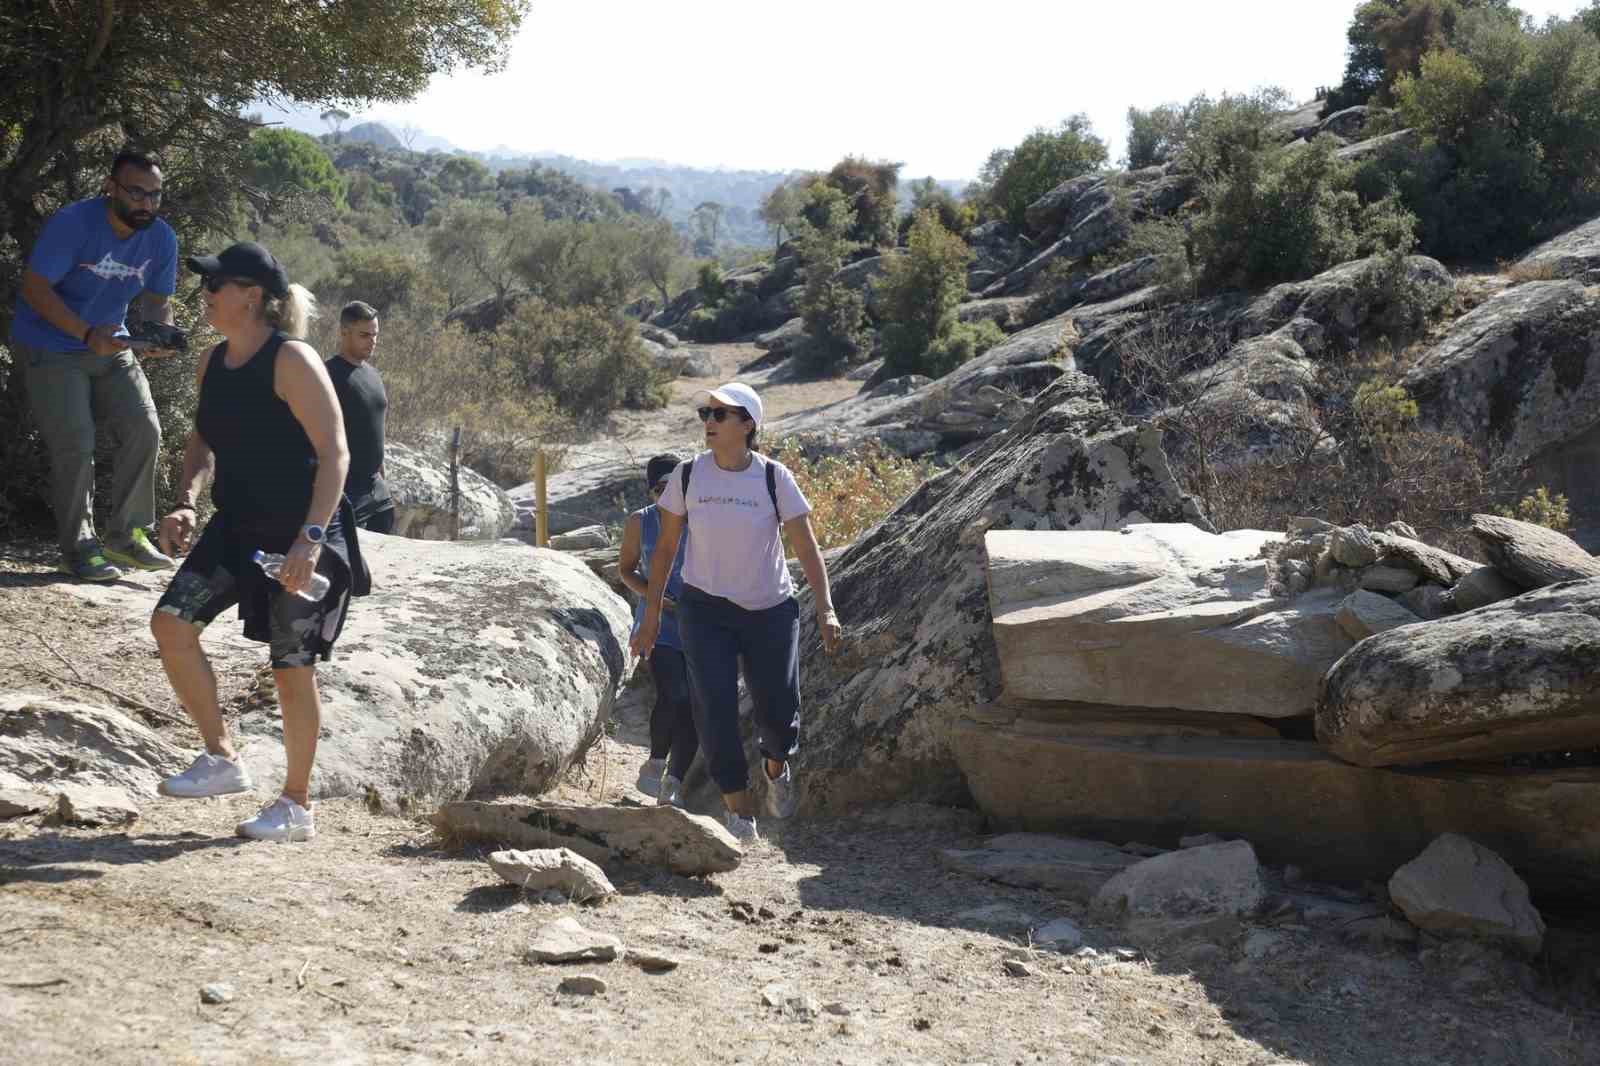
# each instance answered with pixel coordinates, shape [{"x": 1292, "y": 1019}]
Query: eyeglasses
[
  {"x": 138, "y": 194},
  {"x": 214, "y": 282},
  {"x": 721, "y": 413}
]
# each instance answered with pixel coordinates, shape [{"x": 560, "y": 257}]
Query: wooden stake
[{"x": 541, "y": 529}]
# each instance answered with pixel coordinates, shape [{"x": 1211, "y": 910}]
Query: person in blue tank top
[
  {"x": 70, "y": 336},
  {"x": 673, "y": 739}
]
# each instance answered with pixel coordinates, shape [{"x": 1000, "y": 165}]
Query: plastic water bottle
[{"x": 272, "y": 563}]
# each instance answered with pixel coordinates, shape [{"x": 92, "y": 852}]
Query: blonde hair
[{"x": 293, "y": 314}]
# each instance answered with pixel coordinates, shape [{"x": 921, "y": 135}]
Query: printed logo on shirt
[
  {"x": 727, "y": 501},
  {"x": 108, "y": 269}
]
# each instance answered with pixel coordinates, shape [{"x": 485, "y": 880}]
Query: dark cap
[
  {"x": 659, "y": 467},
  {"x": 247, "y": 260}
]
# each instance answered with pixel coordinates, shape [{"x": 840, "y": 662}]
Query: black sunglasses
[
  {"x": 721, "y": 413},
  {"x": 215, "y": 282},
  {"x": 138, "y": 194}
]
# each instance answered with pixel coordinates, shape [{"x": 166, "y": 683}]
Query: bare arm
[
  {"x": 628, "y": 557},
  {"x": 302, "y": 382},
  {"x": 43, "y": 298},
  {"x": 804, "y": 542},
  {"x": 177, "y": 529},
  {"x": 660, "y": 569},
  {"x": 157, "y": 307}
]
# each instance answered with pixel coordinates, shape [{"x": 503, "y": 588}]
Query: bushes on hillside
[
  {"x": 1013, "y": 178},
  {"x": 587, "y": 360},
  {"x": 918, "y": 294},
  {"x": 834, "y": 315},
  {"x": 851, "y": 493}
]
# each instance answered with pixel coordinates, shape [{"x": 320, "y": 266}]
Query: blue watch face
[{"x": 313, "y": 533}]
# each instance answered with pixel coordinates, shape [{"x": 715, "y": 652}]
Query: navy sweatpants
[{"x": 716, "y": 633}]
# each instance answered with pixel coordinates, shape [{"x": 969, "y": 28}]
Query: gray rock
[
  {"x": 16, "y": 802},
  {"x": 216, "y": 992},
  {"x": 420, "y": 484},
  {"x": 582, "y": 539},
  {"x": 565, "y": 940},
  {"x": 574, "y": 876},
  {"x": 656, "y": 334},
  {"x": 866, "y": 371},
  {"x": 1482, "y": 587},
  {"x": 999, "y": 918},
  {"x": 1056, "y": 206},
  {"x": 1511, "y": 677},
  {"x": 1017, "y": 968},
  {"x": 1401, "y": 529},
  {"x": 698, "y": 365},
  {"x": 1200, "y": 840},
  {"x": 1424, "y": 560},
  {"x": 961, "y": 821},
  {"x": 688, "y": 844},
  {"x": 1375, "y": 146},
  {"x": 651, "y": 961},
  {"x": 47, "y": 741},
  {"x": 96, "y": 805},
  {"x": 1343, "y": 300},
  {"x": 1458, "y": 887},
  {"x": 1347, "y": 123},
  {"x": 879, "y": 717},
  {"x": 1060, "y": 935},
  {"x": 1532, "y": 556},
  {"x": 785, "y": 339},
  {"x": 1363, "y": 613},
  {"x": 1572, "y": 254},
  {"x": 582, "y": 984},
  {"x": 1261, "y": 943},
  {"x": 1007, "y": 312},
  {"x": 1221, "y": 879},
  {"x": 1391, "y": 580},
  {"x": 1353, "y": 546},
  {"x": 1066, "y": 866}
]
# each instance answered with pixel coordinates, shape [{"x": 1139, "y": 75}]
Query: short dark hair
[
  {"x": 357, "y": 311},
  {"x": 130, "y": 158}
]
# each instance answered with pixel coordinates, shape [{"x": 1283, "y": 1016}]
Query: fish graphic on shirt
[{"x": 109, "y": 269}]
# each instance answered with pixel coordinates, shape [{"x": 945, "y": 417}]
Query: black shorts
[{"x": 299, "y": 631}]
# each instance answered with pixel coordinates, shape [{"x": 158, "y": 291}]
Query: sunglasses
[
  {"x": 721, "y": 413},
  {"x": 214, "y": 283}
]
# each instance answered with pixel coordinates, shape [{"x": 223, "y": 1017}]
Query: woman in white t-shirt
[{"x": 738, "y": 600}]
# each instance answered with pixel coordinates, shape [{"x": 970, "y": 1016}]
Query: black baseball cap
[
  {"x": 659, "y": 467},
  {"x": 247, "y": 260}
]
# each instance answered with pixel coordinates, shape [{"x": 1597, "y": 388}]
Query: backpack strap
[
  {"x": 772, "y": 488},
  {"x": 688, "y": 468}
]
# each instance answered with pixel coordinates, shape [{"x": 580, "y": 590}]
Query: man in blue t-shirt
[{"x": 70, "y": 335}]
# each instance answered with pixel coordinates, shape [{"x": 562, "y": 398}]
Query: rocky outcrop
[
  {"x": 1082, "y": 616},
  {"x": 996, "y": 248},
  {"x": 1294, "y": 802},
  {"x": 785, "y": 340},
  {"x": 879, "y": 713},
  {"x": 1213, "y": 879},
  {"x": 1460, "y": 888},
  {"x": 1343, "y": 300},
  {"x": 47, "y": 742},
  {"x": 1531, "y": 555},
  {"x": 1007, "y": 312},
  {"x": 420, "y": 485},
  {"x": 1520, "y": 374},
  {"x": 1512, "y": 677},
  {"x": 1375, "y": 146},
  {"x": 1363, "y": 613},
  {"x": 1574, "y": 254}
]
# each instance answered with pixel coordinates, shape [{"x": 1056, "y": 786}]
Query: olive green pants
[{"x": 69, "y": 394}]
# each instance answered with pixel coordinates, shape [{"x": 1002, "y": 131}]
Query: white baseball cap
[{"x": 735, "y": 394}]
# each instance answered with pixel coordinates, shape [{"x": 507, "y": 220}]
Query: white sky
[{"x": 934, "y": 84}]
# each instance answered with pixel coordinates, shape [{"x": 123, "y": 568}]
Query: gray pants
[{"x": 69, "y": 393}]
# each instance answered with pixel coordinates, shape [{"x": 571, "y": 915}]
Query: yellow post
[{"x": 541, "y": 514}]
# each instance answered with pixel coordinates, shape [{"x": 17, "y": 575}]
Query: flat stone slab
[
  {"x": 1064, "y": 865},
  {"x": 561, "y": 869},
  {"x": 688, "y": 844},
  {"x": 96, "y": 805},
  {"x": 1294, "y": 802},
  {"x": 16, "y": 802},
  {"x": 1458, "y": 887},
  {"x": 566, "y": 940}
]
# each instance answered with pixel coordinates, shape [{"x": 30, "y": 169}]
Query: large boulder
[
  {"x": 1515, "y": 676},
  {"x": 1520, "y": 375},
  {"x": 589, "y": 494},
  {"x": 1294, "y": 802},
  {"x": 1531, "y": 555},
  {"x": 1083, "y": 615},
  {"x": 420, "y": 485},
  {"x": 1343, "y": 299},
  {"x": 784, "y": 340},
  {"x": 911, "y": 592},
  {"x": 1458, "y": 887},
  {"x": 1373, "y": 147},
  {"x": 1574, "y": 254},
  {"x": 1212, "y": 879},
  {"x": 688, "y": 844},
  {"x": 860, "y": 275},
  {"x": 47, "y": 742},
  {"x": 471, "y": 670}
]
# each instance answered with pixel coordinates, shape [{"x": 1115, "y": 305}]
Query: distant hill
[{"x": 372, "y": 133}]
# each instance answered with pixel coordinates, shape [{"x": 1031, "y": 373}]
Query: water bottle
[{"x": 272, "y": 563}]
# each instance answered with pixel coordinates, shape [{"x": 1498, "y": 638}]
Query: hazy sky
[{"x": 931, "y": 83}]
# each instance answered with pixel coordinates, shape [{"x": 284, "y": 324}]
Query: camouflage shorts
[{"x": 300, "y": 631}]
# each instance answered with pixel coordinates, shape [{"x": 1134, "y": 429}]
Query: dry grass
[{"x": 849, "y": 494}]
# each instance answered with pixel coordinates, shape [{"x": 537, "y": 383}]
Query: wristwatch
[{"x": 313, "y": 533}]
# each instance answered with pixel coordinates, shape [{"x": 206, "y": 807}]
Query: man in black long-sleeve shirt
[{"x": 361, "y": 395}]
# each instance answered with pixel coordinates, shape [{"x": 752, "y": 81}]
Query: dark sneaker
[
  {"x": 88, "y": 563},
  {"x": 137, "y": 553}
]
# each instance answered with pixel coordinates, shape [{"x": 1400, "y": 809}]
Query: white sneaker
[
  {"x": 743, "y": 829},
  {"x": 209, "y": 775},
  {"x": 782, "y": 796},
  {"x": 281, "y": 820},
  {"x": 650, "y": 776},
  {"x": 671, "y": 792}
]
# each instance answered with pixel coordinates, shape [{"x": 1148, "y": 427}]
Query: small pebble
[
  {"x": 582, "y": 984},
  {"x": 217, "y": 992}
]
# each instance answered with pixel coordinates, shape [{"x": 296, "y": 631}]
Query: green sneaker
[
  {"x": 137, "y": 553},
  {"x": 88, "y": 563}
]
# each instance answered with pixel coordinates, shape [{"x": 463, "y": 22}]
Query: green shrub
[
  {"x": 834, "y": 315},
  {"x": 919, "y": 291},
  {"x": 1013, "y": 178},
  {"x": 383, "y": 278},
  {"x": 588, "y": 361},
  {"x": 1542, "y": 509},
  {"x": 869, "y": 188},
  {"x": 963, "y": 342},
  {"x": 851, "y": 493}
]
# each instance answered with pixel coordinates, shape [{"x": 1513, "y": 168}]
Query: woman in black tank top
[{"x": 268, "y": 428}]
